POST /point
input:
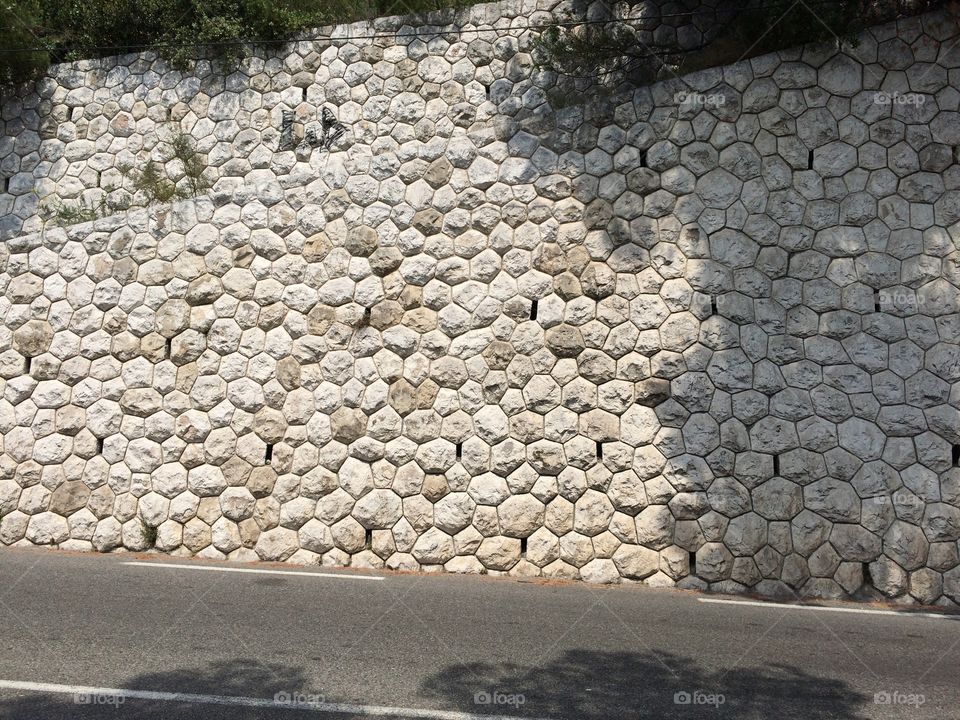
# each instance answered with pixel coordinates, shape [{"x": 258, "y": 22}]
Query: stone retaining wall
[{"x": 705, "y": 335}]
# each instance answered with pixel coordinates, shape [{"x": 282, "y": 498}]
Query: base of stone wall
[{"x": 814, "y": 589}]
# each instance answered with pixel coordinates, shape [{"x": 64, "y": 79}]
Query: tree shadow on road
[
  {"x": 578, "y": 685},
  {"x": 236, "y": 678},
  {"x": 589, "y": 685}
]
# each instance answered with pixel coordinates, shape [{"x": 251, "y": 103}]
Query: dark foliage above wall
[{"x": 35, "y": 33}]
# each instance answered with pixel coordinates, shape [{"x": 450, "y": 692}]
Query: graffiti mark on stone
[
  {"x": 333, "y": 130},
  {"x": 287, "y": 131},
  {"x": 322, "y": 133}
]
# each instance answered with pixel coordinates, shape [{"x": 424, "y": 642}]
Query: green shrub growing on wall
[
  {"x": 154, "y": 183},
  {"x": 146, "y": 185}
]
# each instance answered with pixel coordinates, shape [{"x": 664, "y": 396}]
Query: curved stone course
[{"x": 705, "y": 335}]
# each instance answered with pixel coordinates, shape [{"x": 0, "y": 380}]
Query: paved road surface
[{"x": 185, "y": 639}]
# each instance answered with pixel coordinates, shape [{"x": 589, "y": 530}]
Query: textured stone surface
[{"x": 713, "y": 346}]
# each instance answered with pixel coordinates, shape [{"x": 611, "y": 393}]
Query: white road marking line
[
  {"x": 826, "y": 608},
  {"x": 234, "y": 700},
  {"x": 217, "y": 568}
]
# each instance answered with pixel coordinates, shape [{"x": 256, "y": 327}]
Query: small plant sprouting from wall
[
  {"x": 194, "y": 181},
  {"x": 149, "y": 534},
  {"x": 149, "y": 185},
  {"x": 154, "y": 183},
  {"x": 151, "y": 182},
  {"x": 81, "y": 211}
]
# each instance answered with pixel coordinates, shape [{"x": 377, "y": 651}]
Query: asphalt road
[{"x": 91, "y": 636}]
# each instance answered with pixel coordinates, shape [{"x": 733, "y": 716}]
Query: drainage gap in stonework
[
  {"x": 268, "y": 453},
  {"x": 599, "y": 450},
  {"x": 693, "y": 563},
  {"x": 368, "y": 540},
  {"x": 956, "y": 455},
  {"x": 523, "y": 548},
  {"x": 533, "y": 310}
]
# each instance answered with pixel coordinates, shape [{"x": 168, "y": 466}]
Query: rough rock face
[{"x": 705, "y": 335}]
